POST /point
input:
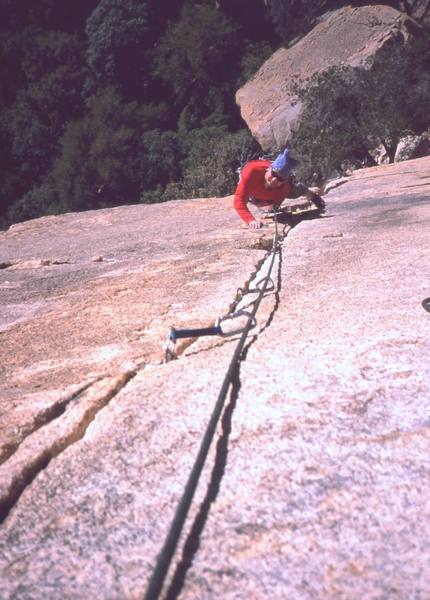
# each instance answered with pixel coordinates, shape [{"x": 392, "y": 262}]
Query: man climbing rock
[{"x": 266, "y": 184}]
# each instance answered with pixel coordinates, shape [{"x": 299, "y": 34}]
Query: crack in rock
[
  {"x": 47, "y": 442},
  {"x": 45, "y": 416},
  {"x": 34, "y": 263}
]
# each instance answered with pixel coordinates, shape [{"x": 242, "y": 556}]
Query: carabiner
[{"x": 260, "y": 283}]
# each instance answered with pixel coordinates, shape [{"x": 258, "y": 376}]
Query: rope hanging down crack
[{"x": 165, "y": 556}]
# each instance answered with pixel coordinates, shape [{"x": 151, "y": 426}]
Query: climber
[{"x": 266, "y": 184}]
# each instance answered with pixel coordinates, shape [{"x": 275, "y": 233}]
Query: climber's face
[{"x": 272, "y": 179}]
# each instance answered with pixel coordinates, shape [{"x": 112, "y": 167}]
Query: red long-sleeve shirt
[{"x": 252, "y": 185}]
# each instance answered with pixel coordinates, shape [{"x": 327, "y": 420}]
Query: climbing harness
[{"x": 164, "y": 559}]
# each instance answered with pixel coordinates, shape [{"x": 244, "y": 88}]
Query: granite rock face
[
  {"x": 91, "y": 296},
  {"x": 317, "y": 483},
  {"x": 349, "y": 36}
]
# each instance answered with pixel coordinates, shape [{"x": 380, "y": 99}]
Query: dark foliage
[
  {"x": 113, "y": 101},
  {"x": 119, "y": 35},
  {"x": 200, "y": 44}
]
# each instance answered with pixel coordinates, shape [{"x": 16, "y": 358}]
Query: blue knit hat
[{"x": 284, "y": 164}]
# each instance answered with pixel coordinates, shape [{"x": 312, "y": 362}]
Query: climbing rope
[{"x": 165, "y": 557}]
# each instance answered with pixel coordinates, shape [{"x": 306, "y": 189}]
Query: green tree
[
  {"x": 252, "y": 16},
  {"x": 212, "y": 158},
  {"x": 348, "y": 112},
  {"x": 40, "y": 200},
  {"x": 197, "y": 61},
  {"x": 51, "y": 67},
  {"x": 160, "y": 158},
  {"x": 119, "y": 34},
  {"x": 68, "y": 16},
  {"x": 253, "y": 56},
  {"x": 330, "y": 130},
  {"x": 10, "y": 180},
  {"x": 99, "y": 162}
]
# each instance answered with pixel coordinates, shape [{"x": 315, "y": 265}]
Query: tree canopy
[
  {"x": 118, "y": 33},
  {"x": 103, "y": 97}
]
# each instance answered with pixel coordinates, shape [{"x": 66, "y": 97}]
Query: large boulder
[{"x": 349, "y": 36}]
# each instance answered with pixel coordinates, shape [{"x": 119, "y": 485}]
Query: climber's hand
[{"x": 255, "y": 224}]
